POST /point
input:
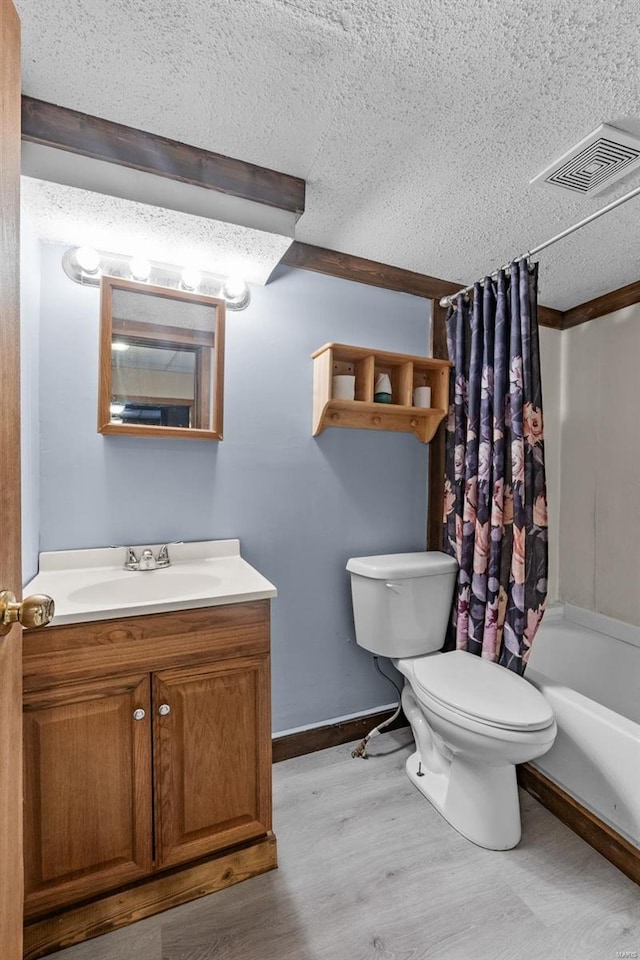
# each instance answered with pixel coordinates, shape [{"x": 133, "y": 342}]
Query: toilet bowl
[
  {"x": 472, "y": 720},
  {"x": 468, "y": 761}
]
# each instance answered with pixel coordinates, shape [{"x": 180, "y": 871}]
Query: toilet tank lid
[{"x": 403, "y": 566}]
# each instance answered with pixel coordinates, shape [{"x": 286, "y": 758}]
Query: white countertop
[{"x": 93, "y": 584}]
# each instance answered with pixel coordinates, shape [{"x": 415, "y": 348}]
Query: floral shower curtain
[{"x": 495, "y": 510}]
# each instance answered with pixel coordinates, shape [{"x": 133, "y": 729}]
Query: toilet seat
[{"x": 480, "y": 691}]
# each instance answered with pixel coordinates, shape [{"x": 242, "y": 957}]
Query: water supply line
[
  {"x": 361, "y": 749},
  {"x": 447, "y": 301}
]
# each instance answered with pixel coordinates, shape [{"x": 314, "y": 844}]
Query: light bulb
[
  {"x": 234, "y": 288},
  {"x": 87, "y": 259},
  {"x": 116, "y": 408},
  {"x": 191, "y": 278},
  {"x": 118, "y": 345},
  {"x": 140, "y": 268}
]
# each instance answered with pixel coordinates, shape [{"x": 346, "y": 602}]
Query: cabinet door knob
[
  {"x": 164, "y": 709},
  {"x": 139, "y": 714}
]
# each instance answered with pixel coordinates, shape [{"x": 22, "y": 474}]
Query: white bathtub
[{"x": 588, "y": 667}]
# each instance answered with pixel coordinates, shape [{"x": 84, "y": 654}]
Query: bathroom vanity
[{"x": 147, "y": 744}]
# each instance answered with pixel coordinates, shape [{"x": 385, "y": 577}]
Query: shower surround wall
[
  {"x": 599, "y": 504},
  {"x": 300, "y": 506}
]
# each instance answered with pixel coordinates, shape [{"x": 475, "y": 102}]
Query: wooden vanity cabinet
[
  {"x": 88, "y": 816},
  {"x": 212, "y": 785},
  {"x": 147, "y": 745}
]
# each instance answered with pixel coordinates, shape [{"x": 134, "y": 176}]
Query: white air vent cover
[{"x": 593, "y": 164}]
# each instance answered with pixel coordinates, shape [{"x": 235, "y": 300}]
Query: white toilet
[{"x": 472, "y": 720}]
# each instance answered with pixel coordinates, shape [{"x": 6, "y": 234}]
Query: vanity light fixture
[
  {"x": 140, "y": 268},
  {"x": 119, "y": 345},
  {"x": 88, "y": 260},
  {"x": 234, "y": 287},
  {"x": 190, "y": 278},
  {"x": 236, "y": 293},
  {"x": 85, "y": 266}
]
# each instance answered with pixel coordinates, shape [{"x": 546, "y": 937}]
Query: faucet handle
[
  {"x": 131, "y": 562},
  {"x": 163, "y": 559}
]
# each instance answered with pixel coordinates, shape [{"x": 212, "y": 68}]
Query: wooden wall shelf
[{"x": 405, "y": 372}]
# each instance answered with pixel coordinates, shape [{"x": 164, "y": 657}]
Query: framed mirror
[{"x": 161, "y": 361}]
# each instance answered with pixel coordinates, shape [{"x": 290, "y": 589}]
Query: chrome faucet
[{"x": 147, "y": 561}]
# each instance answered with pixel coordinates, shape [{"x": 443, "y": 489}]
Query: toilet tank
[{"x": 402, "y": 601}]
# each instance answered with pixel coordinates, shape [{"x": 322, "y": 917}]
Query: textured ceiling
[
  {"x": 62, "y": 214},
  {"x": 417, "y": 126}
]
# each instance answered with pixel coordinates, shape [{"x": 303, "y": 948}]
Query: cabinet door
[
  {"x": 87, "y": 789},
  {"x": 212, "y": 757}
]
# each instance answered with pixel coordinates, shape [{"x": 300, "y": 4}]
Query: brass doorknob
[{"x": 34, "y": 611}]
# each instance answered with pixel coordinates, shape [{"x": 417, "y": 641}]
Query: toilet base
[{"x": 480, "y": 801}]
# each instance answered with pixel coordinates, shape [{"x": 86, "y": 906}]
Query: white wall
[{"x": 600, "y": 475}]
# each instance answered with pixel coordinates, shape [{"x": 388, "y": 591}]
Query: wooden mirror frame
[{"x": 176, "y": 337}]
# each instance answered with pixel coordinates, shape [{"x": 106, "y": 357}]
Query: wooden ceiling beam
[
  {"x": 64, "y": 129},
  {"x": 321, "y": 260},
  {"x": 348, "y": 267},
  {"x": 80, "y": 133}
]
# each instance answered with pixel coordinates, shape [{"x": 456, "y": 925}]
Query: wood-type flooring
[{"x": 370, "y": 871}]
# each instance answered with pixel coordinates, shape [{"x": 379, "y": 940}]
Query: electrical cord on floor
[{"x": 361, "y": 749}]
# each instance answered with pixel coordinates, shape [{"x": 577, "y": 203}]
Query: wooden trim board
[
  {"x": 330, "y": 735},
  {"x": 616, "y": 849},
  {"x": 548, "y": 317},
  {"x": 435, "y": 501},
  {"x": 148, "y": 897},
  {"x": 64, "y": 129},
  {"x": 305, "y": 256},
  {"x": 601, "y": 306}
]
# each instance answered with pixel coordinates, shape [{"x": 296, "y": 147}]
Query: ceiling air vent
[{"x": 593, "y": 164}]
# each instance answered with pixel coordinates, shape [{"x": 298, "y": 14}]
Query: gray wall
[
  {"x": 300, "y": 506},
  {"x": 30, "y": 392}
]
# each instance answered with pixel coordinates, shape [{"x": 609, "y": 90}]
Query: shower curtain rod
[{"x": 447, "y": 301}]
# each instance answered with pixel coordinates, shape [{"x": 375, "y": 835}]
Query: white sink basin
[
  {"x": 159, "y": 585},
  {"x": 92, "y": 584}
]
